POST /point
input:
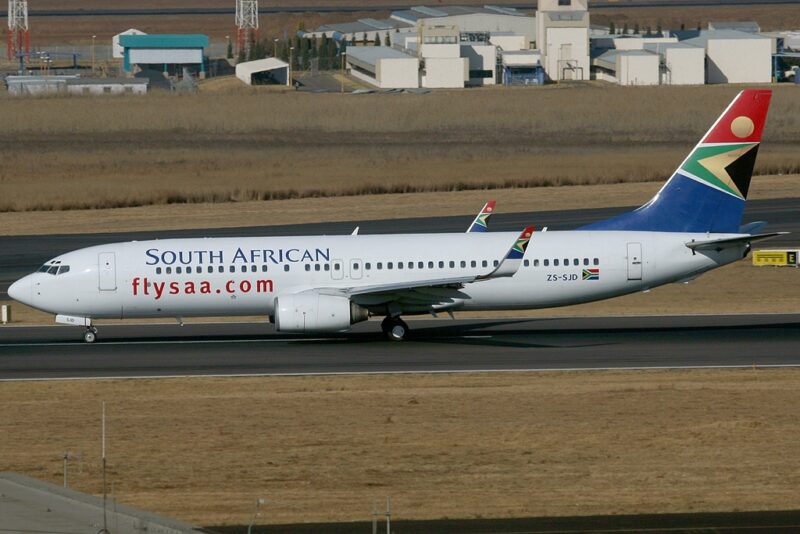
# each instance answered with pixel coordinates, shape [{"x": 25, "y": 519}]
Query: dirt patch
[{"x": 507, "y": 445}]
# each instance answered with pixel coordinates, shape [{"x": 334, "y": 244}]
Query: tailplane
[{"x": 708, "y": 190}]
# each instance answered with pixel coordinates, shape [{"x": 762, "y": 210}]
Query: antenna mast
[
  {"x": 246, "y": 26},
  {"x": 19, "y": 40}
]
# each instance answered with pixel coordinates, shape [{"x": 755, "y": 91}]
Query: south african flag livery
[
  {"x": 591, "y": 274},
  {"x": 706, "y": 193},
  {"x": 518, "y": 250},
  {"x": 481, "y": 222}
]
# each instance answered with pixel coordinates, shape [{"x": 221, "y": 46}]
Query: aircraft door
[
  {"x": 634, "y": 261},
  {"x": 355, "y": 269},
  {"x": 107, "y": 271},
  {"x": 337, "y": 269}
]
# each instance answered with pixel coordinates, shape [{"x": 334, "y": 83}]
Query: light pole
[
  {"x": 275, "y": 47},
  {"x": 93, "y": 38},
  {"x": 344, "y": 60},
  {"x": 291, "y": 50},
  {"x": 257, "y": 505}
]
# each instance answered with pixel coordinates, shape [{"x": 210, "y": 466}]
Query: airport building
[
  {"x": 269, "y": 71},
  {"x": 74, "y": 85},
  {"x": 167, "y": 53},
  {"x": 735, "y": 56}
]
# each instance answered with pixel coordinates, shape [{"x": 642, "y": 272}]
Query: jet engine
[{"x": 313, "y": 312}]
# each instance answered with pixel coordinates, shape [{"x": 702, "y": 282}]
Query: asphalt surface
[
  {"x": 20, "y": 255},
  {"x": 234, "y": 349}
]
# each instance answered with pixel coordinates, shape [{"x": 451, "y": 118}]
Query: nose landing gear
[
  {"x": 395, "y": 328},
  {"x": 90, "y": 335}
]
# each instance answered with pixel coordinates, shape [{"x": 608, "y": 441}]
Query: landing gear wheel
[
  {"x": 90, "y": 335},
  {"x": 395, "y": 328}
]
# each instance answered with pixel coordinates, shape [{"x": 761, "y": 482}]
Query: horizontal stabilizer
[
  {"x": 753, "y": 227},
  {"x": 720, "y": 244}
]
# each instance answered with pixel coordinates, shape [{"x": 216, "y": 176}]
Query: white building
[
  {"x": 440, "y": 57},
  {"x": 117, "y": 50},
  {"x": 681, "y": 63},
  {"x": 628, "y": 67},
  {"x": 735, "y": 57},
  {"x": 106, "y": 86},
  {"x": 562, "y": 35},
  {"x": 269, "y": 71},
  {"x": 383, "y": 67}
]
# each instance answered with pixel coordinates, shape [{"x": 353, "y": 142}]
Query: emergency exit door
[
  {"x": 634, "y": 261},
  {"x": 107, "y": 271}
]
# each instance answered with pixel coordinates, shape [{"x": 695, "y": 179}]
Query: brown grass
[
  {"x": 71, "y": 153},
  {"x": 325, "y": 448}
]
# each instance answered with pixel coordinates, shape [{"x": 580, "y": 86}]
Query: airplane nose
[{"x": 21, "y": 290}]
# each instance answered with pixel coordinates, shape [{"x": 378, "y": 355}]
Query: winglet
[
  {"x": 480, "y": 224},
  {"x": 513, "y": 260}
]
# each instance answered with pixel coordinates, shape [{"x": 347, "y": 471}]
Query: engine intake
[{"x": 313, "y": 312}]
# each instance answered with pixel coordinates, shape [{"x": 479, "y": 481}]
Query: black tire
[
  {"x": 395, "y": 328},
  {"x": 90, "y": 336}
]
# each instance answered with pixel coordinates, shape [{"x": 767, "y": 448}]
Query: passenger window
[
  {"x": 308, "y": 267},
  {"x": 463, "y": 263},
  {"x": 210, "y": 269},
  {"x": 244, "y": 268},
  {"x": 178, "y": 270},
  {"x": 496, "y": 263},
  {"x": 527, "y": 263},
  {"x": 547, "y": 263},
  {"x": 452, "y": 264},
  {"x": 264, "y": 268},
  {"x": 221, "y": 269},
  {"x": 430, "y": 265},
  {"x": 52, "y": 270},
  {"x": 586, "y": 261},
  {"x": 337, "y": 267},
  {"x": 566, "y": 262},
  {"x": 63, "y": 269},
  {"x": 158, "y": 270},
  {"x": 188, "y": 270},
  {"x": 232, "y": 269},
  {"x": 379, "y": 266},
  {"x": 355, "y": 266},
  {"x": 597, "y": 261},
  {"x": 421, "y": 265},
  {"x": 327, "y": 267},
  {"x": 473, "y": 263},
  {"x": 253, "y": 268},
  {"x": 535, "y": 263},
  {"x": 368, "y": 266},
  {"x": 576, "y": 261},
  {"x": 388, "y": 265},
  {"x": 317, "y": 267},
  {"x": 484, "y": 263},
  {"x": 169, "y": 270},
  {"x": 555, "y": 263},
  {"x": 286, "y": 267},
  {"x": 441, "y": 265},
  {"x": 411, "y": 265}
]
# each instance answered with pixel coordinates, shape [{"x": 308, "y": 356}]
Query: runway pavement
[
  {"x": 434, "y": 346},
  {"x": 20, "y": 255}
]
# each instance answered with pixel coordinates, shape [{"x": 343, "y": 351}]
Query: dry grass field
[
  {"x": 502, "y": 445},
  {"x": 78, "y": 30},
  {"x": 71, "y": 153}
]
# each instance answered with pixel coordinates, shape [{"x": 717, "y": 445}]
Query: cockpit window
[
  {"x": 63, "y": 269},
  {"x": 53, "y": 269},
  {"x": 43, "y": 268}
]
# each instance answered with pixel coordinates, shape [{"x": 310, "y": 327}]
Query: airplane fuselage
[{"x": 243, "y": 276}]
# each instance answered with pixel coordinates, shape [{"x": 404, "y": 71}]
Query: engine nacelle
[{"x": 313, "y": 312}]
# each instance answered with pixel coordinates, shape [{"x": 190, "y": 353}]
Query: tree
[
  {"x": 377, "y": 41},
  {"x": 658, "y": 29},
  {"x": 648, "y": 33},
  {"x": 625, "y": 29},
  {"x": 386, "y": 40},
  {"x": 611, "y": 27},
  {"x": 683, "y": 26},
  {"x": 229, "y": 55},
  {"x": 636, "y": 29}
]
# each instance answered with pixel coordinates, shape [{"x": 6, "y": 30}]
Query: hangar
[
  {"x": 383, "y": 67},
  {"x": 735, "y": 56},
  {"x": 269, "y": 71},
  {"x": 169, "y": 53},
  {"x": 681, "y": 63},
  {"x": 627, "y": 67}
]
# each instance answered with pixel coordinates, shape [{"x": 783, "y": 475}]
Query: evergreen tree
[
  {"x": 377, "y": 41},
  {"x": 625, "y": 29},
  {"x": 636, "y": 29},
  {"x": 683, "y": 26},
  {"x": 323, "y": 54},
  {"x": 659, "y": 33},
  {"x": 648, "y": 33},
  {"x": 229, "y": 55},
  {"x": 612, "y": 29},
  {"x": 305, "y": 53},
  {"x": 386, "y": 40}
]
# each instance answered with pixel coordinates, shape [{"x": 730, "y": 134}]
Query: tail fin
[
  {"x": 707, "y": 192},
  {"x": 481, "y": 222}
]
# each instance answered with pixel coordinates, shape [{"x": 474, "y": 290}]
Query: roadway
[
  {"x": 524, "y": 344},
  {"x": 20, "y": 255}
]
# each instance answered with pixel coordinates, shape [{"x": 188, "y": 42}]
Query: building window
[
  {"x": 480, "y": 74},
  {"x": 565, "y": 2}
]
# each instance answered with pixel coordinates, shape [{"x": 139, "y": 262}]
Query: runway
[
  {"x": 20, "y": 255},
  {"x": 254, "y": 349}
]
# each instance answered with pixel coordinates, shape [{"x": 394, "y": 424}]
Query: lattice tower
[
  {"x": 246, "y": 25},
  {"x": 19, "y": 40}
]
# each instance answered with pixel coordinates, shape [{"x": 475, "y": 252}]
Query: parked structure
[
  {"x": 117, "y": 51},
  {"x": 562, "y": 36},
  {"x": 166, "y": 52},
  {"x": 627, "y": 67},
  {"x": 75, "y": 85},
  {"x": 270, "y": 71},
  {"x": 735, "y": 57},
  {"x": 680, "y": 63},
  {"x": 383, "y": 67}
]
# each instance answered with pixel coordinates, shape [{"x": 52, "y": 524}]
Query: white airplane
[{"x": 327, "y": 283}]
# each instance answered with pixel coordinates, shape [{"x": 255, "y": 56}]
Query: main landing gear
[
  {"x": 394, "y": 328},
  {"x": 90, "y": 335}
]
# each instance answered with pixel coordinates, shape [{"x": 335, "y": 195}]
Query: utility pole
[
  {"x": 388, "y": 515},
  {"x": 246, "y": 26},
  {"x": 374, "y": 518},
  {"x": 66, "y": 456},
  {"x": 93, "y": 63},
  {"x": 344, "y": 59}
]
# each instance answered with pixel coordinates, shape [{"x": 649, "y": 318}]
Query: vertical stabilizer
[{"x": 708, "y": 190}]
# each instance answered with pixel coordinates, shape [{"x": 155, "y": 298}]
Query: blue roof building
[{"x": 166, "y": 52}]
